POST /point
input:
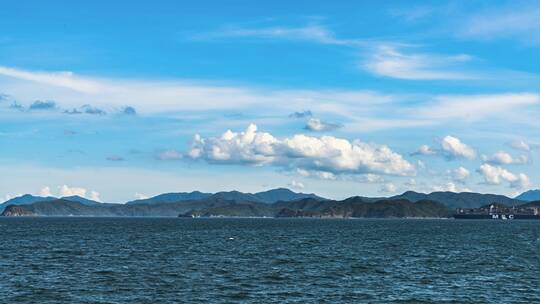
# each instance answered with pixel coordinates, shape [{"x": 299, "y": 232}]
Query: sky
[{"x": 121, "y": 100}]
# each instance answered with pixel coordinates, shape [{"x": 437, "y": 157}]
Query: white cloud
[
  {"x": 412, "y": 14},
  {"x": 311, "y": 33},
  {"x": 446, "y": 187},
  {"x": 325, "y": 175},
  {"x": 411, "y": 182},
  {"x": 362, "y": 110},
  {"x": 60, "y": 79},
  {"x": 315, "y": 124},
  {"x": 503, "y": 158},
  {"x": 6, "y": 198},
  {"x": 140, "y": 196},
  {"x": 476, "y": 107},
  {"x": 296, "y": 184},
  {"x": 388, "y": 188},
  {"x": 45, "y": 191},
  {"x": 453, "y": 147},
  {"x": 70, "y": 90},
  {"x": 520, "y": 145},
  {"x": 460, "y": 174},
  {"x": 169, "y": 155},
  {"x": 521, "y": 22},
  {"x": 424, "y": 150},
  {"x": 387, "y": 61},
  {"x": 370, "y": 178},
  {"x": 94, "y": 195},
  {"x": 70, "y": 191},
  {"x": 495, "y": 175},
  {"x": 326, "y": 153},
  {"x": 451, "y": 187},
  {"x": 79, "y": 191}
]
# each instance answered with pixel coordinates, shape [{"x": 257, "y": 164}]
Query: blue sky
[{"x": 121, "y": 100}]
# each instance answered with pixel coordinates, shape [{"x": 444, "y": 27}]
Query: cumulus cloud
[
  {"x": 42, "y": 105},
  {"x": 169, "y": 155},
  {"x": 130, "y": 111},
  {"x": 388, "y": 188},
  {"x": 450, "y": 186},
  {"x": 326, "y": 153},
  {"x": 520, "y": 145},
  {"x": 503, "y": 158},
  {"x": 388, "y": 61},
  {"x": 45, "y": 191},
  {"x": 94, "y": 195},
  {"x": 316, "y": 174},
  {"x": 370, "y": 178},
  {"x": 424, "y": 150},
  {"x": 86, "y": 109},
  {"x": 460, "y": 174},
  {"x": 140, "y": 196},
  {"x": 296, "y": 185},
  {"x": 495, "y": 175},
  {"x": 65, "y": 190},
  {"x": 451, "y": 147},
  {"x": 17, "y": 106},
  {"x": 317, "y": 125},
  {"x": 302, "y": 114},
  {"x": 411, "y": 182},
  {"x": 70, "y": 191},
  {"x": 49, "y": 105}
]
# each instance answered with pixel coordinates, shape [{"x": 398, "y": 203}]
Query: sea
[{"x": 178, "y": 260}]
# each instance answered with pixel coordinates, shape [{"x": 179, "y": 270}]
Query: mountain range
[
  {"x": 270, "y": 196},
  {"x": 455, "y": 200},
  {"x": 279, "y": 202},
  {"x": 30, "y": 199},
  {"x": 529, "y": 196}
]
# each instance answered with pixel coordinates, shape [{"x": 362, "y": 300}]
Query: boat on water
[{"x": 499, "y": 212}]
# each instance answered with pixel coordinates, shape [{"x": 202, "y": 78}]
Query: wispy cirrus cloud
[
  {"x": 521, "y": 22},
  {"x": 155, "y": 96},
  {"x": 359, "y": 110},
  {"x": 389, "y": 61},
  {"x": 310, "y": 33},
  {"x": 476, "y": 107},
  {"x": 59, "y": 79},
  {"x": 384, "y": 58}
]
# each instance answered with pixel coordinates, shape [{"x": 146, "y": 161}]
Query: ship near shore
[{"x": 497, "y": 211}]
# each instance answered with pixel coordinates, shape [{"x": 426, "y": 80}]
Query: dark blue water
[{"x": 150, "y": 260}]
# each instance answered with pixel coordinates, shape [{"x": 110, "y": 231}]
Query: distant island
[{"x": 278, "y": 203}]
